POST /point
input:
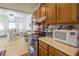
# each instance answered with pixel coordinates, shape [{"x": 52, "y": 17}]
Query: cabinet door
[
  {"x": 43, "y": 9},
  {"x": 38, "y": 12},
  {"x": 66, "y": 12},
  {"x": 51, "y": 13},
  {"x": 55, "y": 52},
  {"x": 78, "y": 13},
  {"x": 51, "y": 54},
  {"x": 42, "y": 52},
  {"x": 34, "y": 14},
  {"x": 43, "y": 45}
]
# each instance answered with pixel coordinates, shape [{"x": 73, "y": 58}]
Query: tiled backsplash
[{"x": 75, "y": 26}]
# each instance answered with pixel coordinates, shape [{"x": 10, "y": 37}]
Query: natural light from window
[
  {"x": 12, "y": 25},
  {"x": 1, "y": 26}
]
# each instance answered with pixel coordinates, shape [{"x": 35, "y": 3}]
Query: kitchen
[
  {"x": 39, "y": 29},
  {"x": 59, "y": 28}
]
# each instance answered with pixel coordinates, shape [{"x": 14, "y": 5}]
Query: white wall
[
  {"x": 5, "y": 23},
  {"x": 28, "y": 22}
]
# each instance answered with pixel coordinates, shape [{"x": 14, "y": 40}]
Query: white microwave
[{"x": 70, "y": 37}]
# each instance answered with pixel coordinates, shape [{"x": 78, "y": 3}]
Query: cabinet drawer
[
  {"x": 55, "y": 52},
  {"x": 42, "y": 52},
  {"x": 50, "y": 54},
  {"x": 42, "y": 44}
]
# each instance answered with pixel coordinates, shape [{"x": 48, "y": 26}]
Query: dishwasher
[{"x": 33, "y": 45}]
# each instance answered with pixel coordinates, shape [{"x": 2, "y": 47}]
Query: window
[
  {"x": 1, "y": 26},
  {"x": 21, "y": 26},
  {"x": 28, "y": 24},
  {"x": 12, "y": 25}
]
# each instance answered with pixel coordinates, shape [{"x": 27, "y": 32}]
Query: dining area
[
  {"x": 13, "y": 26},
  {"x": 17, "y": 47}
]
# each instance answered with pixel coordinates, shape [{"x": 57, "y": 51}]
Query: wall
[{"x": 28, "y": 23}]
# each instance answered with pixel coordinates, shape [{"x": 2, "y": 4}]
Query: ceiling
[
  {"x": 23, "y": 7},
  {"x": 11, "y": 14},
  {"x": 18, "y": 10}
]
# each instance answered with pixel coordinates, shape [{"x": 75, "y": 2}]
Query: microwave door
[{"x": 60, "y": 36}]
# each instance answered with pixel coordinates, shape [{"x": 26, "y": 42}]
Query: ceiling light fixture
[{"x": 11, "y": 15}]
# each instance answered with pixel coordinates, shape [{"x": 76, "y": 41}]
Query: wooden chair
[{"x": 26, "y": 54}]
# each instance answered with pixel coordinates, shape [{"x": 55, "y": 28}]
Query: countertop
[
  {"x": 15, "y": 47},
  {"x": 69, "y": 50}
]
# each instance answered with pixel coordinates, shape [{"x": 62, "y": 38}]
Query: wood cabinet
[
  {"x": 55, "y": 52},
  {"x": 42, "y": 52},
  {"x": 42, "y": 10},
  {"x": 66, "y": 13},
  {"x": 42, "y": 49},
  {"x": 47, "y": 50},
  {"x": 58, "y": 13},
  {"x": 78, "y": 12},
  {"x": 38, "y": 13},
  {"x": 51, "y": 13},
  {"x": 35, "y": 15},
  {"x": 51, "y": 54},
  {"x": 42, "y": 44}
]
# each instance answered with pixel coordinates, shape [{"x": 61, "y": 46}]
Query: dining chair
[{"x": 2, "y": 53}]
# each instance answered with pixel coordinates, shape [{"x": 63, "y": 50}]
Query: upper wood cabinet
[
  {"x": 50, "y": 13},
  {"x": 34, "y": 14},
  {"x": 60, "y": 13},
  {"x": 78, "y": 13},
  {"x": 42, "y": 10},
  {"x": 38, "y": 13},
  {"x": 66, "y": 13}
]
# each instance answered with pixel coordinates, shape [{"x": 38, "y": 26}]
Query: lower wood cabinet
[
  {"x": 43, "y": 45},
  {"x": 46, "y": 50},
  {"x": 55, "y": 52},
  {"x": 51, "y": 54},
  {"x": 42, "y": 52}
]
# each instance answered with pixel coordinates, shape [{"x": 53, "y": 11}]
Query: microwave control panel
[{"x": 72, "y": 33}]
